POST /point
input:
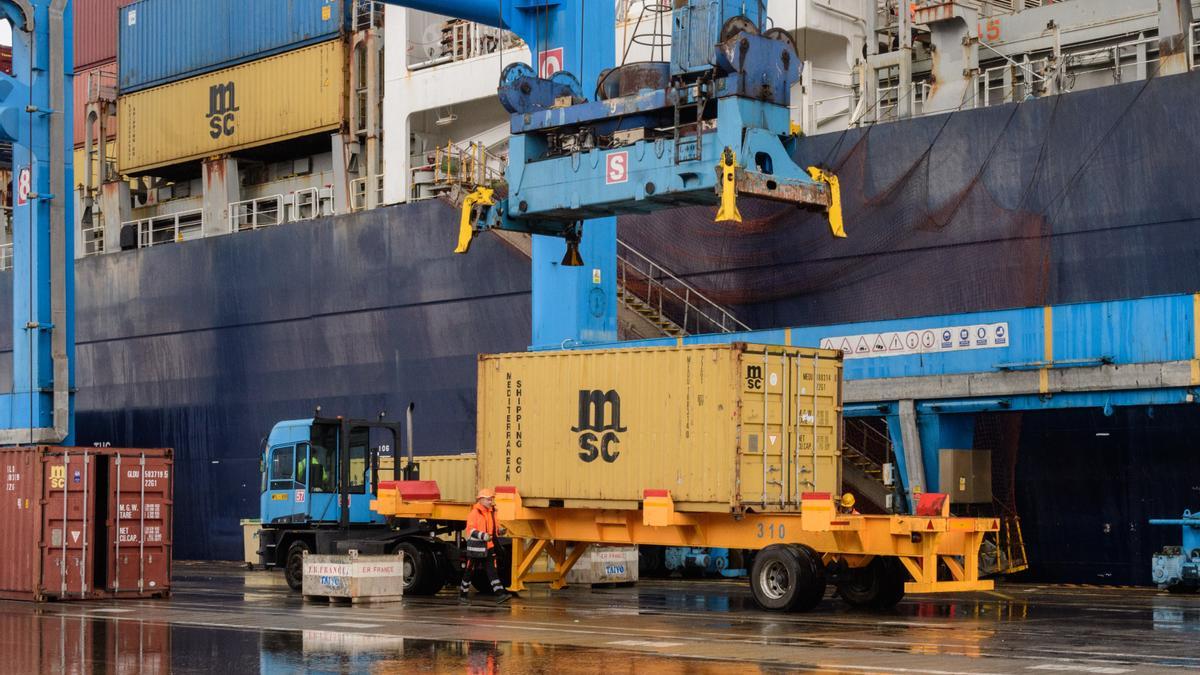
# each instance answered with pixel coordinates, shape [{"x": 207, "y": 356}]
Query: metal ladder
[{"x": 693, "y": 99}]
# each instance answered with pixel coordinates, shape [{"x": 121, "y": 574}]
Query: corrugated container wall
[
  {"x": 95, "y": 31},
  {"x": 80, "y": 164},
  {"x": 163, "y": 41},
  {"x": 454, "y": 475},
  {"x": 91, "y": 83},
  {"x": 295, "y": 94},
  {"x": 722, "y": 427},
  {"x": 83, "y": 523}
]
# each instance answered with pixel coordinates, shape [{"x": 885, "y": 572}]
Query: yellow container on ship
[
  {"x": 731, "y": 427},
  {"x": 298, "y": 93}
]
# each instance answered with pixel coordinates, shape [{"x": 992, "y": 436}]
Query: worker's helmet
[
  {"x": 847, "y": 501},
  {"x": 486, "y": 493}
]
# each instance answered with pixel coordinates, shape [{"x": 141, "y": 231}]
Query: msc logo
[
  {"x": 599, "y": 424},
  {"x": 222, "y": 104},
  {"x": 754, "y": 377}
]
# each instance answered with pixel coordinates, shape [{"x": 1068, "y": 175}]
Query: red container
[
  {"x": 96, "y": 83},
  {"x": 95, "y": 31},
  {"x": 6, "y": 60},
  {"x": 85, "y": 523}
]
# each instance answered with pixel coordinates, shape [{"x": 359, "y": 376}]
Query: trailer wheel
[
  {"x": 1182, "y": 588},
  {"x": 421, "y": 573},
  {"x": 293, "y": 571},
  {"x": 778, "y": 579},
  {"x": 812, "y": 591},
  {"x": 879, "y": 585},
  {"x": 651, "y": 560}
]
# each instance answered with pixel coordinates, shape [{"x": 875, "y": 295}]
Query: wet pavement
[{"x": 226, "y": 619}]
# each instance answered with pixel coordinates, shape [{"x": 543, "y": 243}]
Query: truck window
[
  {"x": 322, "y": 468},
  {"x": 283, "y": 464}
]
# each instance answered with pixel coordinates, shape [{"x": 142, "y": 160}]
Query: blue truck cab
[
  {"x": 302, "y": 466},
  {"x": 319, "y": 476}
]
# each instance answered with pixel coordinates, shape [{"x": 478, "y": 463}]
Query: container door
[
  {"x": 817, "y": 405},
  {"x": 139, "y": 523},
  {"x": 286, "y": 498},
  {"x": 20, "y": 521},
  {"x": 766, "y": 386},
  {"x": 69, "y": 524}
]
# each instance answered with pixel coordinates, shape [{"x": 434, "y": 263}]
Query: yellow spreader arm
[{"x": 466, "y": 230}]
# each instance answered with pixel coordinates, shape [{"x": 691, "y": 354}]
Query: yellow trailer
[{"x": 731, "y": 446}]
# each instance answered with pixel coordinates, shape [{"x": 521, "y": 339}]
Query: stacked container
[
  {"x": 265, "y": 72},
  {"x": 83, "y": 523},
  {"x": 95, "y": 65}
]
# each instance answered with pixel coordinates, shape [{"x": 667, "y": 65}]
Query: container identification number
[{"x": 770, "y": 531}]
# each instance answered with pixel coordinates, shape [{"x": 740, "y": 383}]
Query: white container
[
  {"x": 355, "y": 578},
  {"x": 606, "y": 565}
]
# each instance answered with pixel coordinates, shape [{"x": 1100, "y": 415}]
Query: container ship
[{"x": 262, "y": 233}]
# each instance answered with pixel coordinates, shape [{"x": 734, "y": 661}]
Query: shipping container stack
[{"x": 265, "y": 88}]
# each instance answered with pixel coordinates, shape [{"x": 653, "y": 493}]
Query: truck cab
[
  {"x": 319, "y": 476},
  {"x": 303, "y": 470}
]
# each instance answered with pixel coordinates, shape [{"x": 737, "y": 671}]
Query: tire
[
  {"x": 1182, "y": 588},
  {"x": 650, "y": 561},
  {"x": 813, "y": 590},
  {"x": 879, "y": 585},
  {"x": 293, "y": 568},
  {"x": 777, "y": 579},
  {"x": 894, "y": 580},
  {"x": 421, "y": 573}
]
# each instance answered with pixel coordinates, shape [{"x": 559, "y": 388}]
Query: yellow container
[
  {"x": 295, "y": 94},
  {"x": 81, "y": 165},
  {"x": 722, "y": 427},
  {"x": 454, "y": 474}
]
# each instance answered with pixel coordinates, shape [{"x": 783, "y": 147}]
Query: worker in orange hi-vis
[{"x": 482, "y": 532}]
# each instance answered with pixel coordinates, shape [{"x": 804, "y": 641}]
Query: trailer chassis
[{"x": 874, "y": 560}]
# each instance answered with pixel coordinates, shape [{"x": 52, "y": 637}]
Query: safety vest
[{"x": 318, "y": 472}]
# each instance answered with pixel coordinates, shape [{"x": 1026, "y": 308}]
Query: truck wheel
[
  {"x": 879, "y": 585},
  {"x": 1182, "y": 588},
  {"x": 650, "y": 560},
  {"x": 813, "y": 589},
  {"x": 778, "y": 580},
  {"x": 421, "y": 573},
  {"x": 293, "y": 571}
]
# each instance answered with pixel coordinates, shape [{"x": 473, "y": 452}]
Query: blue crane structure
[
  {"x": 35, "y": 104},
  {"x": 592, "y": 139}
]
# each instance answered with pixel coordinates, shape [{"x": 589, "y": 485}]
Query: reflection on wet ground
[{"x": 229, "y": 620}]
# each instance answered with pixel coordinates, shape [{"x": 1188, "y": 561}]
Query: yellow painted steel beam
[{"x": 389, "y": 503}]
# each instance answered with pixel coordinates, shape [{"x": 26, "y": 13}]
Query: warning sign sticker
[{"x": 920, "y": 341}]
